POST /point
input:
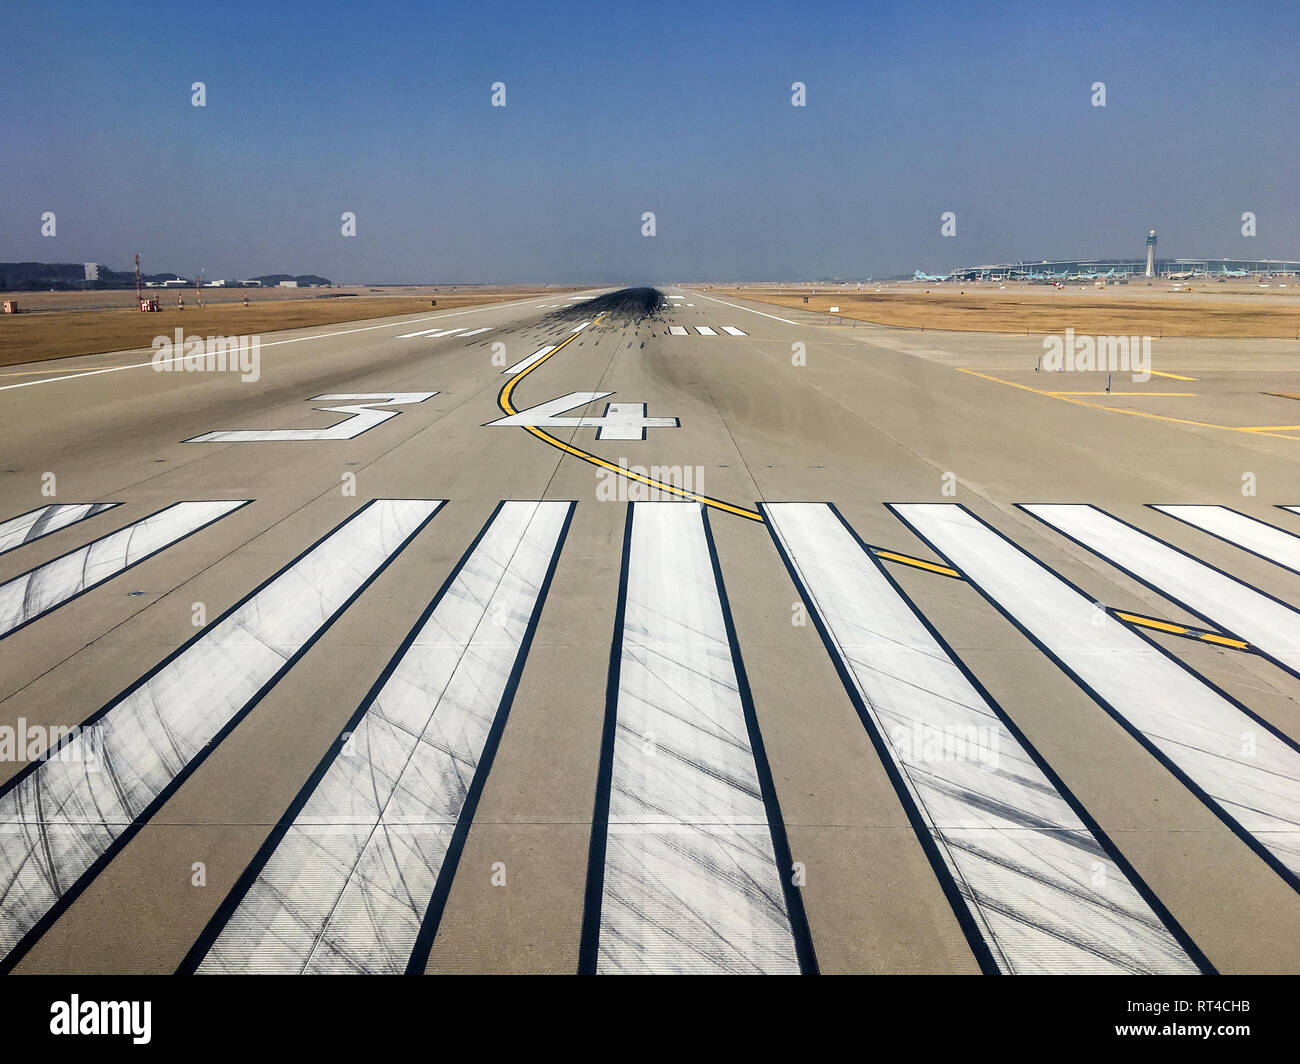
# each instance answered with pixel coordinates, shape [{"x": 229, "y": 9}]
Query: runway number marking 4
[
  {"x": 363, "y": 417},
  {"x": 620, "y": 421}
]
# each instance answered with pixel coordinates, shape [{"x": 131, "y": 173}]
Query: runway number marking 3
[{"x": 363, "y": 417}]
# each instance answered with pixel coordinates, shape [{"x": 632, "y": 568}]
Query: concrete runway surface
[{"x": 900, "y": 669}]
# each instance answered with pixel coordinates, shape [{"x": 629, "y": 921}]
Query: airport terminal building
[
  {"x": 1123, "y": 270},
  {"x": 1127, "y": 269}
]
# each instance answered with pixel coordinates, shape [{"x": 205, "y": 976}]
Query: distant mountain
[
  {"x": 305, "y": 280},
  {"x": 35, "y": 276}
]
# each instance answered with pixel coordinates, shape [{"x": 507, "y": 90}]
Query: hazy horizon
[{"x": 909, "y": 113}]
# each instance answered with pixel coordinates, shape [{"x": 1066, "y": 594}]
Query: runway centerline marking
[{"x": 506, "y": 403}]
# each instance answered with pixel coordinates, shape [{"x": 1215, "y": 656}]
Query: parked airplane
[
  {"x": 919, "y": 276},
  {"x": 1225, "y": 272}
]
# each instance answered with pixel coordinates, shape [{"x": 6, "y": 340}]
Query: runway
[{"x": 640, "y": 630}]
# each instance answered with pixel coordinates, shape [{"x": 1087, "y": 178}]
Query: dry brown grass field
[
  {"x": 1107, "y": 312},
  {"x": 53, "y": 329}
]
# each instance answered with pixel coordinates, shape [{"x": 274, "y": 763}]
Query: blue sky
[{"x": 614, "y": 109}]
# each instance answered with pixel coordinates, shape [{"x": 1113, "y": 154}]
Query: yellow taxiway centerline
[
  {"x": 506, "y": 403},
  {"x": 1261, "y": 430},
  {"x": 1182, "y": 630}
]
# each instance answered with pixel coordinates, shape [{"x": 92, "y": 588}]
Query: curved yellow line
[
  {"x": 1065, "y": 398},
  {"x": 506, "y": 403}
]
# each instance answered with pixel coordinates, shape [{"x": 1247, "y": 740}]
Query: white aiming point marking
[
  {"x": 731, "y": 330},
  {"x": 677, "y": 330},
  {"x": 363, "y": 418},
  {"x": 704, "y": 330}
]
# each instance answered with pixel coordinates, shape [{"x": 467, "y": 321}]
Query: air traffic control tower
[{"x": 1151, "y": 253}]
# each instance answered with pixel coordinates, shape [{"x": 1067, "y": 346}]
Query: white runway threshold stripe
[
  {"x": 1259, "y": 538},
  {"x": 1190, "y": 726},
  {"x": 689, "y": 870},
  {"x": 345, "y": 883},
  {"x": 1269, "y": 625},
  {"x": 1036, "y": 887},
  {"x": 38, "y": 591},
  {"x": 46, "y": 519},
  {"x": 64, "y": 817}
]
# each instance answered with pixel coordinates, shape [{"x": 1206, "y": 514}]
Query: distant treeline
[{"x": 71, "y": 276}]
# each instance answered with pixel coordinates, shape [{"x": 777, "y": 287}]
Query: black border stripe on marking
[
  {"x": 70, "y": 895},
  {"x": 803, "y": 943},
  {"x": 589, "y": 945},
  {"x": 1225, "y": 539},
  {"x": 126, "y": 568},
  {"x": 1237, "y": 829},
  {"x": 244, "y": 883},
  {"x": 1103, "y": 839},
  {"x": 248, "y": 877},
  {"x": 451, "y": 860},
  {"x": 29, "y": 538},
  {"x": 1168, "y": 596},
  {"x": 961, "y": 911}
]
